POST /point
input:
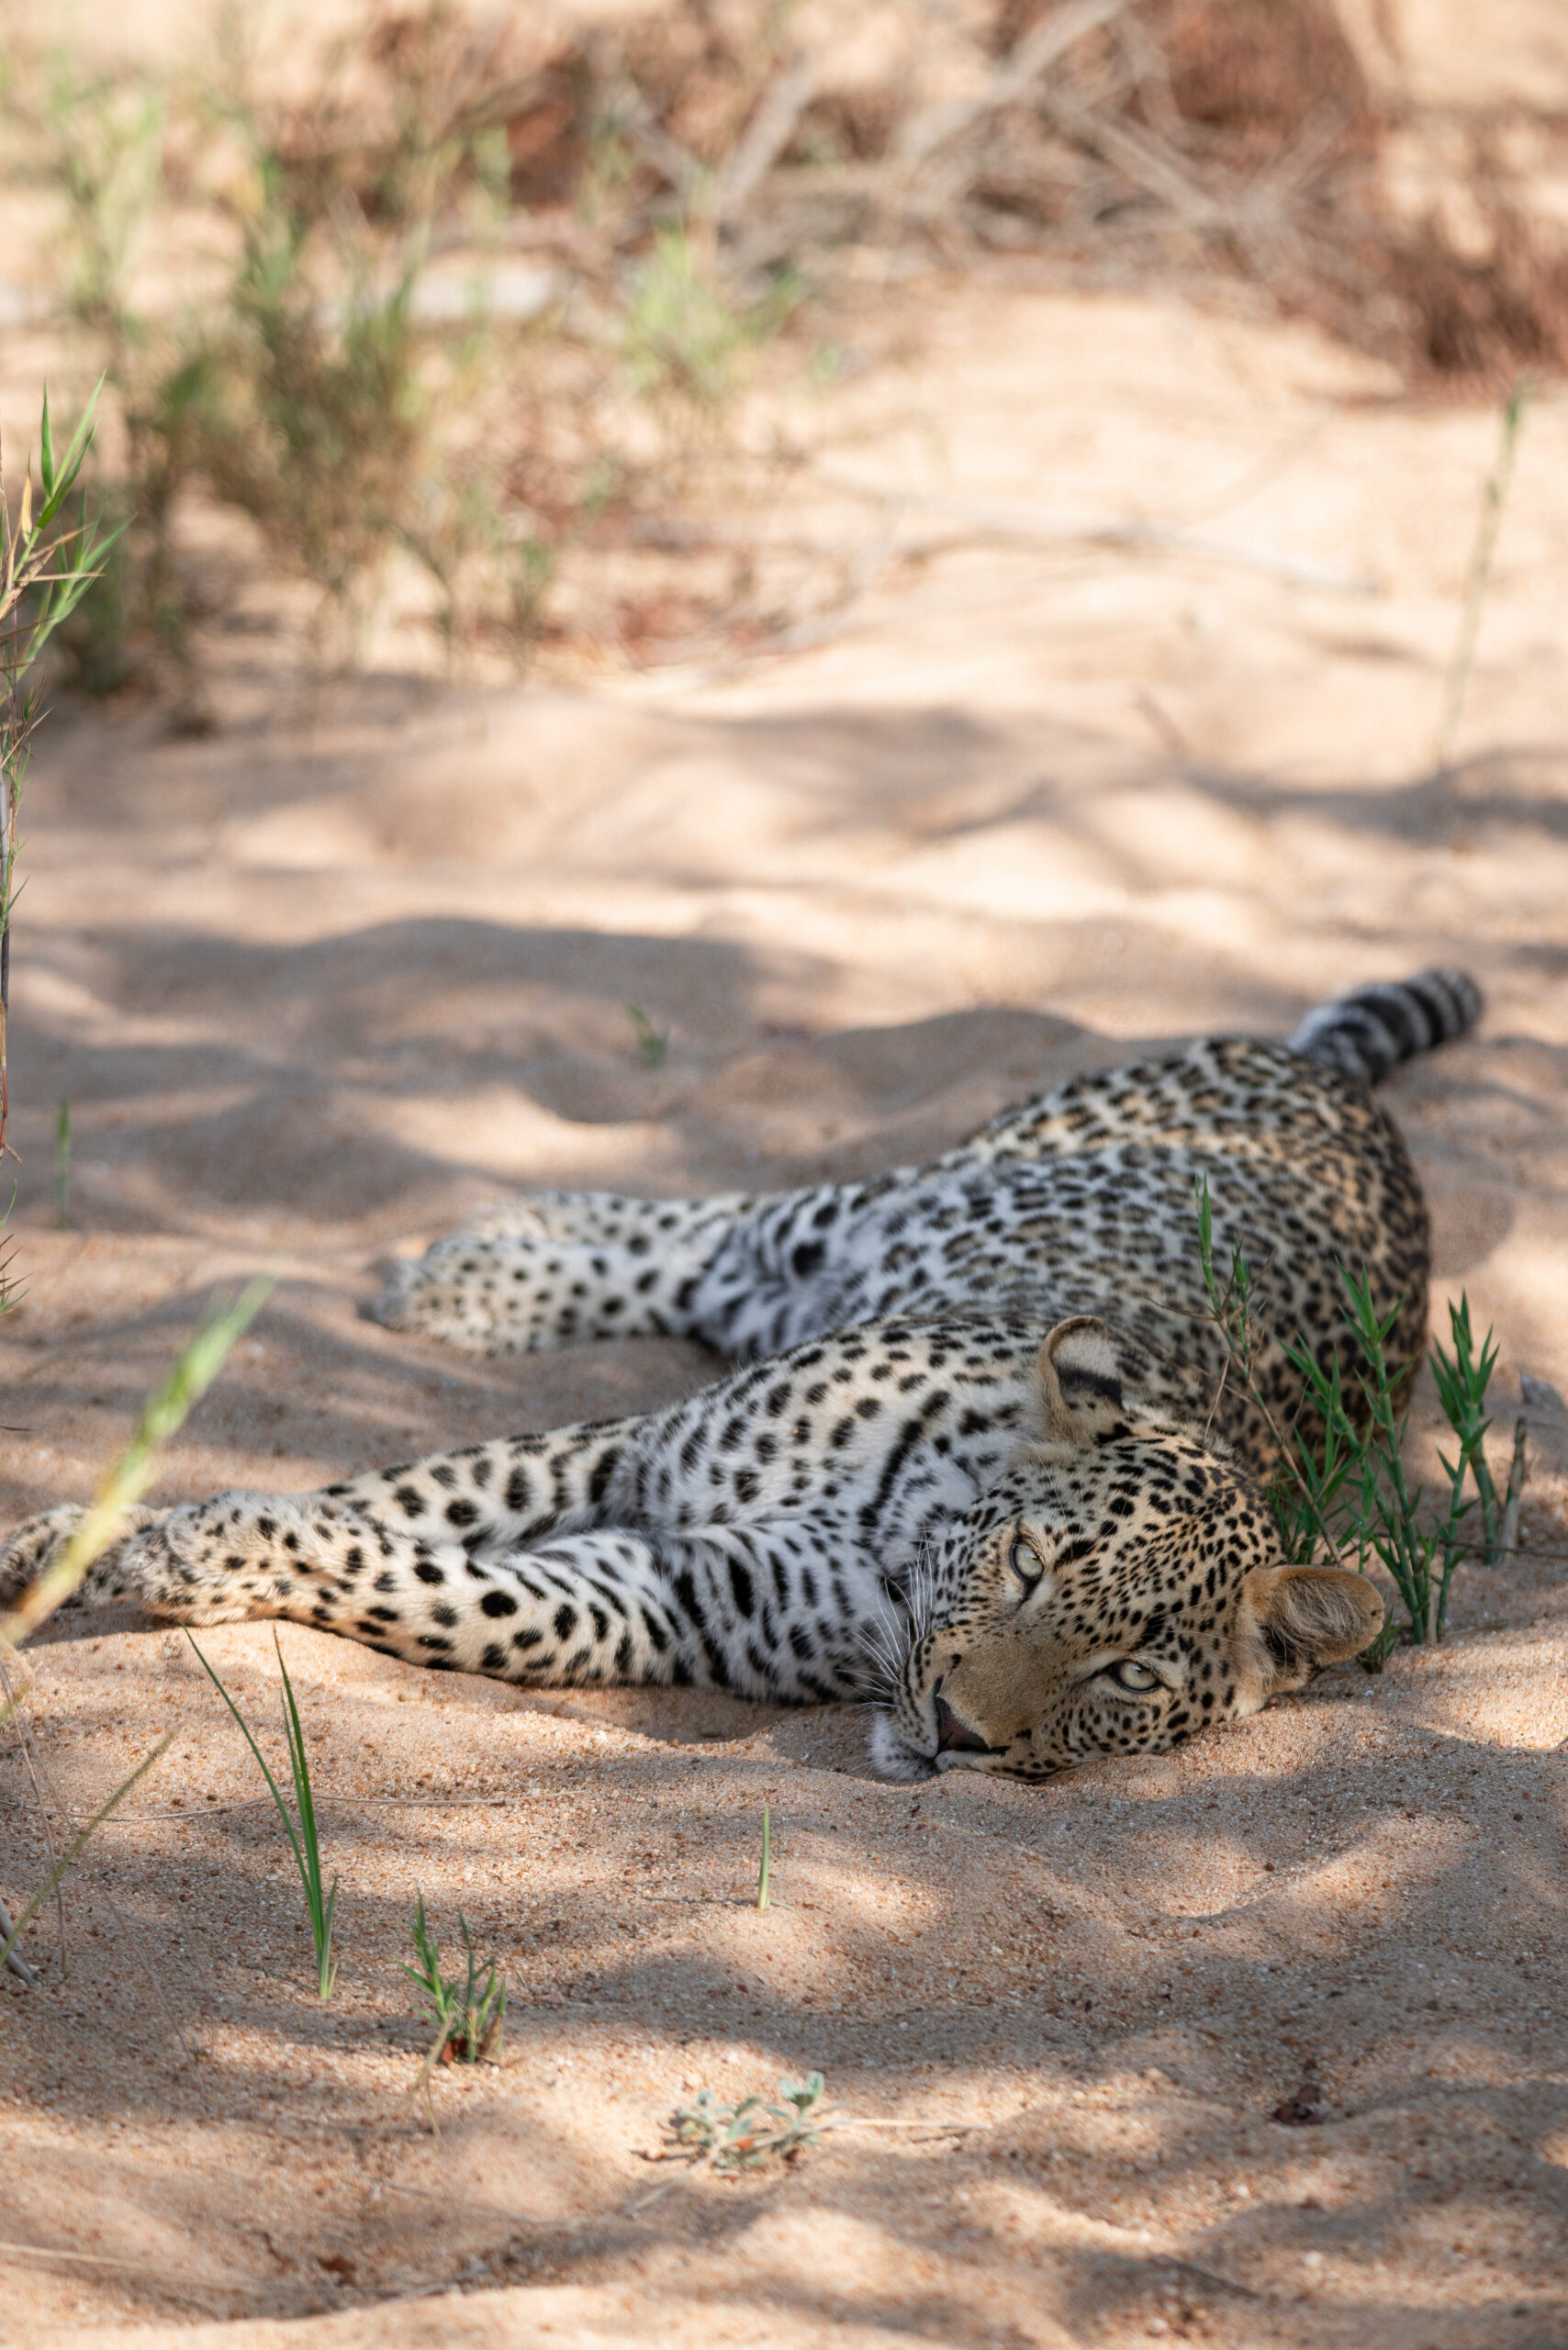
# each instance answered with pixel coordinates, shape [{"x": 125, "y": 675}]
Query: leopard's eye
[
  {"x": 1025, "y": 1561},
  {"x": 1133, "y": 1676}
]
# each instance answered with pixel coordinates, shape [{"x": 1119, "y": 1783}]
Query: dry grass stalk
[
  {"x": 1493, "y": 497},
  {"x": 75, "y": 1849}
]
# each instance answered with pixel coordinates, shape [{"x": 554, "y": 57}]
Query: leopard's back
[{"x": 1086, "y": 1201}]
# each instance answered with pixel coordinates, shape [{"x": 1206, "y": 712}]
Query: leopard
[{"x": 980, "y": 1459}]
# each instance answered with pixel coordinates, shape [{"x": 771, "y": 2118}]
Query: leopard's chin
[{"x": 893, "y": 1756}]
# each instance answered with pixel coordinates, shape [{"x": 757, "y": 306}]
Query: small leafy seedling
[
  {"x": 469, "y": 2013},
  {"x": 758, "y": 2130},
  {"x": 319, "y": 1907},
  {"x": 1463, "y": 1378},
  {"x": 652, "y": 1043}
]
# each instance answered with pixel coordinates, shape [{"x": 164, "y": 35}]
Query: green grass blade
[
  {"x": 283, "y": 1812},
  {"x": 319, "y": 1908},
  {"x": 72, "y": 463},
  {"x": 326, "y": 1964},
  {"x": 297, "y": 1762}
]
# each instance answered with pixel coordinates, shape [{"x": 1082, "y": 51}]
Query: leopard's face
[{"x": 1120, "y": 1589}]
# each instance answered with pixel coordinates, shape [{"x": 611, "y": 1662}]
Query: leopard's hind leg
[{"x": 554, "y": 1268}]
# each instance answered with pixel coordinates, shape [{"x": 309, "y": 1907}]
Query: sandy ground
[{"x": 318, "y": 984}]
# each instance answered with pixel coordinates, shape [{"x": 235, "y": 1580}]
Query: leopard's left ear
[
  {"x": 1078, "y": 1397},
  {"x": 1304, "y": 1618}
]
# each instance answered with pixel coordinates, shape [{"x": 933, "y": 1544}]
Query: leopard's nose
[{"x": 951, "y": 1732}]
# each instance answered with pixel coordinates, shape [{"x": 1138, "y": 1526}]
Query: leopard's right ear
[
  {"x": 1298, "y": 1619},
  {"x": 1079, "y": 1396}
]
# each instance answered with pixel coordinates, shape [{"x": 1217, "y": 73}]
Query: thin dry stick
[
  {"x": 15, "y": 1961},
  {"x": 1219, "y": 1396},
  {"x": 1146, "y": 161},
  {"x": 34, "y": 1761},
  {"x": 58, "y": 2252},
  {"x": 1011, "y": 80},
  {"x": 765, "y": 136},
  {"x": 128, "y": 1941},
  {"x": 1519, "y": 1469},
  {"x": 1028, "y": 525},
  {"x": 1488, "y": 522},
  {"x": 877, "y": 2122},
  {"x": 419, "y": 2087},
  {"x": 41, "y": 1895}
]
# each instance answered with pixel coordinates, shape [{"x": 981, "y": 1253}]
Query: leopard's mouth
[{"x": 893, "y": 1753}]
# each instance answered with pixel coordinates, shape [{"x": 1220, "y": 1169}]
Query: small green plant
[
  {"x": 762, "y": 1874},
  {"x": 1344, "y": 1489},
  {"x": 46, "y": 566},
  {"x": 469, "y": 2011},
  {"x": 652, "y": 1043},
  {"x": 757, "y": 2131},
  {"x": 688, "y": 327},
  {"x": 311, "y": 415},
  {"x": 320, "y": 1907},
  {"x": 681, "y": 328},
  {"x": 1462, "y": 1380},
  {"x": 63, "y": 1164},
  {"x": 1385, "y": 1521},
  {"x": 98, "y": 138}
]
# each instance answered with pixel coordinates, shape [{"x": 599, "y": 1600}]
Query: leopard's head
[{"x": 1119, "y": 1588}]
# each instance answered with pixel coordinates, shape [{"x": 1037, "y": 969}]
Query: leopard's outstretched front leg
[
  {"x": 40, "y": 1542},
  {"x": 603, "y": 1605},
  {"x": 583, "y": 1608},
  {"x": 558, "y": 1267}
]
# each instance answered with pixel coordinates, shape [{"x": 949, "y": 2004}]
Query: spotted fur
[{"x": 978, "y": 1458}]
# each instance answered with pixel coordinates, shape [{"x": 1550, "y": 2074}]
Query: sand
[{"x": 318, "y": 983}]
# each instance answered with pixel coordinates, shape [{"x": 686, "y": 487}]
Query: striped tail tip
[{"x": 1367, "y": 1033}]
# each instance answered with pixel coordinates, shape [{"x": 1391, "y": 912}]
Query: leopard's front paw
[
  {"x": 38, "y": 1544},
  {"x": 32, "y": 1548},
  {"x": 465, "y": 1292},
  {"x": 414, "y": 1297}
]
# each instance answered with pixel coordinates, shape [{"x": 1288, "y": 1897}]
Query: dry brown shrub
[
  {"x": 1255, "y": 73},
  {"x": 1238, "y": 87},
  {"x": 1178, "y": 141}
]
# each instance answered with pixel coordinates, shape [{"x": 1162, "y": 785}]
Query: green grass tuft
[
  {"x": 469, "y": 2012},
  {"x": 653, "y": 1041},
  {"x": 320, "y": 1907},
  {"x": 1345, "y": 1494}
]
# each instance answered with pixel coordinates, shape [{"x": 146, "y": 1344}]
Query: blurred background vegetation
[{"x": 490, "y": 314}]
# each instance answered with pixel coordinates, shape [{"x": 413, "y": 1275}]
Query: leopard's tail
[{"x": 1368, "y": 1031}]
